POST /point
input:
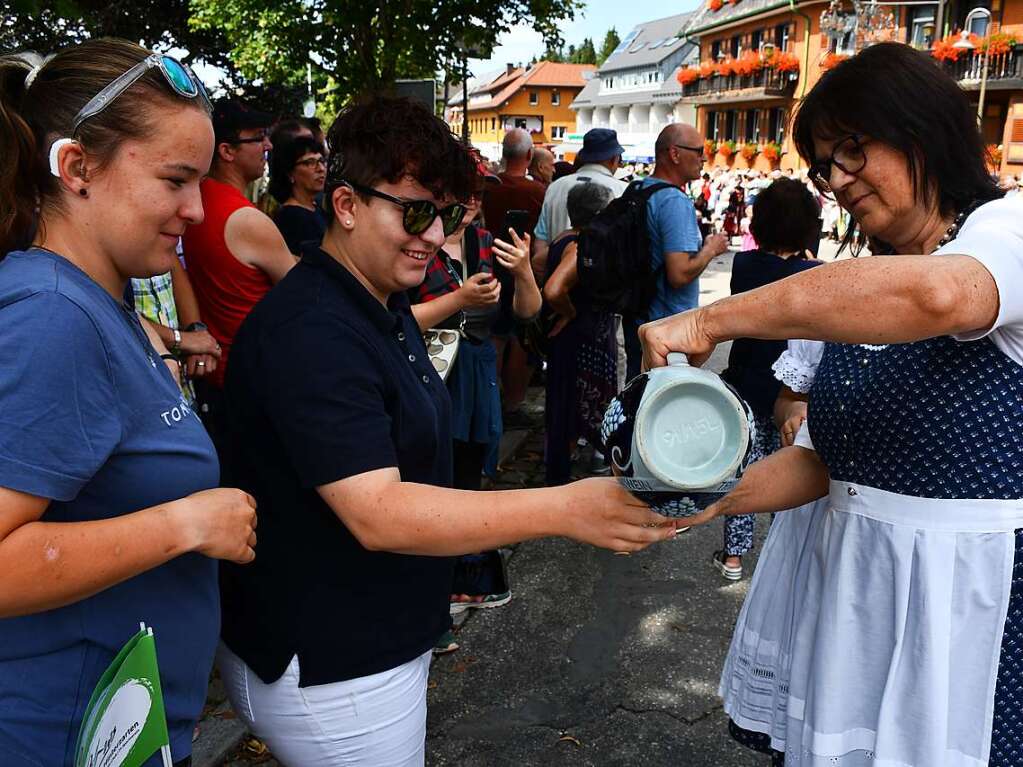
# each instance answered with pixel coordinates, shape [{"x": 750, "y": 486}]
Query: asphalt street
[{"x": 599, "y": 659}]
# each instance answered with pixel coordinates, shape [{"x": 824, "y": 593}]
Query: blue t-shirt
[
  {"x": 671, "y": 221},
  {"x": 91, "y": 419}
]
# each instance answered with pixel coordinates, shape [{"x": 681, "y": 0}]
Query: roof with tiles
[
  {"x": 543, "y": 74},
  {"x": 706, "y": 19},
  {"x": 648, "y": 43}
]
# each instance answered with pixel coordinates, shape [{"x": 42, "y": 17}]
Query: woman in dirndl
[{"x": 907, "y": 633}]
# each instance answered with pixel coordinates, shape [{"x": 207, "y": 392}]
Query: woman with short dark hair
[
  {"x": 786, "y": 219},
  {"x": 342, "y": 430},
  {"x": 298, "y": 169},
  {"x": 906, "y": 629}
]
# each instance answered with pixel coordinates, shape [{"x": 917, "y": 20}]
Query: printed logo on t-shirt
[{"x": 178, "y": 413}]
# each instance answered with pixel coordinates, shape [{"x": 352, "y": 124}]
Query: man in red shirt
[
  {"x": 516, "y": 192},
  {"x": 237, "y": 253}
]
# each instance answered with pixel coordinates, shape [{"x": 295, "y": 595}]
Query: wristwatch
[
  {"x": 176, "y": 347},
  {"x": 194, "y": 326}
]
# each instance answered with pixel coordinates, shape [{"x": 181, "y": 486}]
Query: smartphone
[{"x": 517, "y": 220}]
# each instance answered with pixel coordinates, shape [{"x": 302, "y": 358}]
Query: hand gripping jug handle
[{"x": 677, "y": 358}]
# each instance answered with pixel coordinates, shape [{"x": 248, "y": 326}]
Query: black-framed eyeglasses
[
  {"x": 259, "y": 139},
  {"x": 418, "y": 215},
  {"x": 697, "y": 149},
  {"x": 847, "y": 155},
  {"x": 312, "y": 162},
  {"x": 178, "y": 76}
]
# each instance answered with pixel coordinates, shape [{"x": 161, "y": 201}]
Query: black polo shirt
[{"x": 325, "y": 383}]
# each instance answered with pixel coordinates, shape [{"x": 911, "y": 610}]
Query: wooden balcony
[
  {"x": 1004, "y": 70},
  {"x": 765, "y": 84}
]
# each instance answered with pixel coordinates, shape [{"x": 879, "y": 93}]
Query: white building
[{"x": 635, "y": 91}]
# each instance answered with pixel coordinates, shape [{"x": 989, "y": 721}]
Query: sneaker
[
  {"x": 462, "y": 602},
  {"x": 598, "y": 464},
  {"x": 445, "y": 644},
  {"x": 730, "y": 572}
]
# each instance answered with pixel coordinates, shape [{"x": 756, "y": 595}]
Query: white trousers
[{"x": 373, "y": 721}]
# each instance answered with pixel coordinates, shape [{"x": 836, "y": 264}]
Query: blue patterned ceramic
[{"x": 678, "y": 437}]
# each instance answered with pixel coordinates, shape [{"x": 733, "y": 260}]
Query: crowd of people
[{"x": 215, "y": 316}]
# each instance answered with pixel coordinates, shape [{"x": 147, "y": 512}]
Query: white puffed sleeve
[
  {"x": 797, "y": 365},
  {"x": 993, "y": 234}
]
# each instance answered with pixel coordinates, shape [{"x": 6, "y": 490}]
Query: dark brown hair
[
  {"x": 386, "y": 138},
  {"x": 786, "y": 217},
  {"x": 32, "y": 117},
  {"x": 898, "y": 95}
]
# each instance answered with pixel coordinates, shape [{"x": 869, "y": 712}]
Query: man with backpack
[
  {"x": 643, "y": 256},
  {"x": 598, "y": 160}
]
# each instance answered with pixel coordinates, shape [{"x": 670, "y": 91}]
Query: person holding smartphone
[{"x": 461, "y": 292}]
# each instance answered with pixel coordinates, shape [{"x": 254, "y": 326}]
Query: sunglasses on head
[
  {"x": 177, "y": 75},
  {"x": 418, "y": 215}
]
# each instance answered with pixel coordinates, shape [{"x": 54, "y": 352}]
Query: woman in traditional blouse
[
  {"x": 109, "y": 512},
  {"x": 907, "y": 639},
  {"x": 343, "y": 433}
]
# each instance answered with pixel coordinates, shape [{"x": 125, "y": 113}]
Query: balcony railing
[
  {"x": 1002, "y": 66},
  {"x": 773, "y": 83}
]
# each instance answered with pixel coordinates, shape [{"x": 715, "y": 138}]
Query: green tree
[
  {"x": 359, "y": 46},
  {"x": 611, "y": 41},
  {"x": 585, "y": 53},
  {"x": 45, "y": 26}
]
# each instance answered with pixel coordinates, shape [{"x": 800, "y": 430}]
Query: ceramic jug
[{"x": 678, "y": 437}]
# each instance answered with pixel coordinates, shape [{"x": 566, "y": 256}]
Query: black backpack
[{"x": 614, "y": 254}]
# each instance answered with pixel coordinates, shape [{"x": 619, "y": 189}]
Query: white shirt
[{"x": 554, "y": 213}]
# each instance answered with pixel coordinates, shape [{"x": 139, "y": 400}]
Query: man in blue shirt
[{"x": 675, "y": 241}]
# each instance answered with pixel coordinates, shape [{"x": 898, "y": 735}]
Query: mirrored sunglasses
[
  {"x": 418, "y": 215},
  {"x": 178, "y": 76}
]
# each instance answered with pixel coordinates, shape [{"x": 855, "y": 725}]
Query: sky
[{"x": 521, "y": 44}]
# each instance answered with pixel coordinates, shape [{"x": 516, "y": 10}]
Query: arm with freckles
[
  {"x": 45, "y": 565},
  {"x": 786, "y": 479},
  {"x": 879, "y": 300}
]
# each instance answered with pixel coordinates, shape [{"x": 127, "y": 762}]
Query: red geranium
[
  {"x": 783, "y": 62},
  {"x": 832, "y": 60},
  {"x": 715, "y": 5},
  {"x": 688, "y": 75}
]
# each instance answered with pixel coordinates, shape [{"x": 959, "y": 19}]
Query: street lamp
[{"x": 964, "y": 44}]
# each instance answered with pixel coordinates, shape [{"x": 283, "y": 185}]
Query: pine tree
[{"x": 611, "y": 41}]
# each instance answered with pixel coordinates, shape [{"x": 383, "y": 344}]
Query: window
[
  {"x": 776, "y": 125},
  {"x": 493, "y": 123},
  {"x": 711, "y": 131},
  {"x": 752, "y": 126},
  {"x": 637, "y": 47},
  {"x": 920, "y": 29},
  {"x": 520, "y": 122},
  {"x": 626, "y": 42},
  {"x": 781, "y": 37},
  {"x": 555, "y": 98},
  {"x": 715, "y": 50},
  {"x": 735, "y": 46},
  {"x": 534, "y": 98},
  {"x": 731, "y": 125},
  {"x": 558, "y": 131},
  {"x": 977, "y": 21},
  {"x": 843, "y": 42},
  {"x": 756, "y": 39}
]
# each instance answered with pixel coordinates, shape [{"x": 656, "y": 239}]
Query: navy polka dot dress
[{"x": 934, "y": 419}]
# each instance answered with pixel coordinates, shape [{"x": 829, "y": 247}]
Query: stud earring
[
  {"x": 348, "y": 222},
  {"x": 83, "y": 192}
]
